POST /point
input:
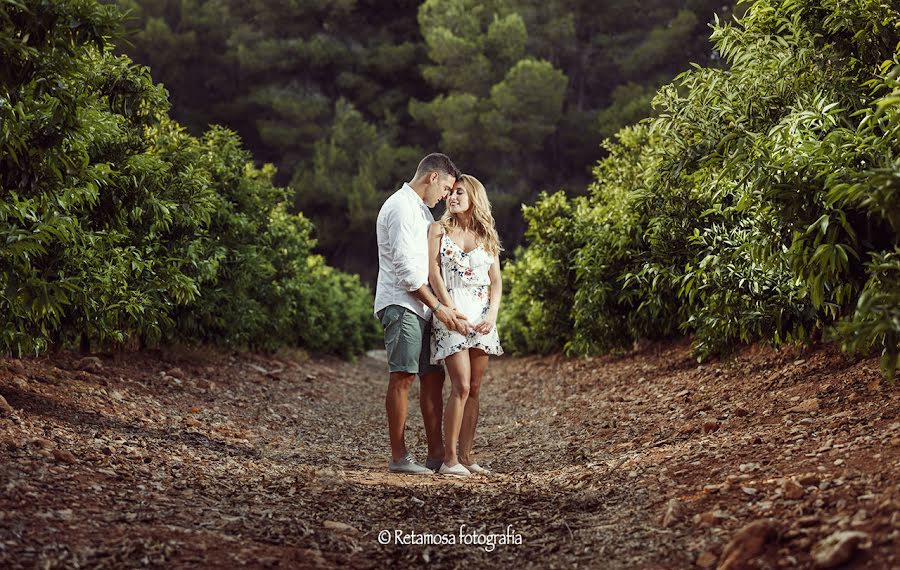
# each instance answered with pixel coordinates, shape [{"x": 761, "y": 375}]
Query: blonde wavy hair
[{"x": 483, "y": 220}]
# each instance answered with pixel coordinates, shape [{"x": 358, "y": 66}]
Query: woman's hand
[
  {"x": 453, "y": 319},
  {"x": 486, "y": 326}
]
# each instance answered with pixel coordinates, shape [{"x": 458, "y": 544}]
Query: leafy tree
[
  {"x": 353, "y": 171},
  {"x": 116, "y": 224},
  {"x": 759, "y": 204},
  {"x": 519, "y": 92}
]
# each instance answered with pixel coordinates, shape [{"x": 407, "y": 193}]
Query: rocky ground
[{"x": 770, "y": 459}]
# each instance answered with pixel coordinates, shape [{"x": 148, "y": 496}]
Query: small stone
[
  {"x": 708, "y": 518},
  {"x": 710, "y": 426},
  {"x": 20, "y": 383},
  {"x": 839, "y": 548},
  {"x": 63, "y": 456},
  {"x": 15, "y": 366},
  {"x": 838, "y": 462},
  {"x": 671, "y": 514},
  {"x": 176, "y": 372},
  {"x": 90, "y": 364},
  {"x": 687, "y": 427},
  {"x": 707, "y": 559},
  {"x": 5, "y": 407},
  {"x": 747, "y": 543},
  {"x": 809, "y": 479},
  {"x": 741, "y": 411},
  {"x": 806, "y": 407},
  {"x": 42, "y": 443},
  {"x": 793, "y": 490},
  {"x": 749, "y": 491},
  {"x": 339, "y": 526},
  {"x": 258, "y": 368}
]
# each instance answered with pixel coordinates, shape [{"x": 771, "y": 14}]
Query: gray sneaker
[
  {"x": 408, "y": 465},
  {"x": 433, "y": 464}
]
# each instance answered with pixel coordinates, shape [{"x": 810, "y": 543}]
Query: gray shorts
[{"x": 407, "y": 338}]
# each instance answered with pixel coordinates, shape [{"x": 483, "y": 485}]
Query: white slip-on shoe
[
  {"x": 408, "y": 466},
  {"x": 458, "y": 470},
  {"x": 477, "y": 469}
]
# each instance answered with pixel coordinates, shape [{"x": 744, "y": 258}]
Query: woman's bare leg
[
  {"x": 478, "y": 361},
  {"x": 459, "y": 370}
]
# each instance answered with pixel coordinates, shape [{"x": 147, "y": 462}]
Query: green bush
[
  {"x": 760, "y": 203},
  {"x": 540, "y": 284},
  {"x": 116, "y": 225}
]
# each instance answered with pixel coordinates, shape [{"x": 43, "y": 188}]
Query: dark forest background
[{"x": 344, "y": 96}]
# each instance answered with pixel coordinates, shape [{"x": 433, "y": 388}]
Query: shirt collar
[{"x": 411, "y": 194}]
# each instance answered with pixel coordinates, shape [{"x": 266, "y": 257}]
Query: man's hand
[
  {"x": 453, "y": 320},
  {"x": 485, "y": 326}
]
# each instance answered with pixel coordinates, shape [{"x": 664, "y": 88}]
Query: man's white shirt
[{"x": 402, "y": 230}]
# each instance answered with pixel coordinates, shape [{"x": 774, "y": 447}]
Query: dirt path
[{"x": 646, "y": 461}]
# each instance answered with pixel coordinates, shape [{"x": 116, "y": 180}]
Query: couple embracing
[{"x": 437, "y": 297}]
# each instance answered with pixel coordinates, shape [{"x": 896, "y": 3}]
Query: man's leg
[
  {"x": 431, "y": 398},
  {"x": 396, "y": 403},
  {"x": 402, "y": 339}
]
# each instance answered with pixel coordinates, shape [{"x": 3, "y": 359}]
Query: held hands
[{"x": 453, "y": 320}]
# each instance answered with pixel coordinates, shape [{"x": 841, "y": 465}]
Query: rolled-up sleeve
[{"x": 409, "y": 249}]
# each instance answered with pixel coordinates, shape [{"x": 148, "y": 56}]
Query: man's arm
[
  {"x": 412, "y": 273},
  {"x": 409, "y": 250},
  {"x": 447, "y": 314}
]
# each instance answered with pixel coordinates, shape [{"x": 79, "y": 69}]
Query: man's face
[{"x": 439, "y": 188}]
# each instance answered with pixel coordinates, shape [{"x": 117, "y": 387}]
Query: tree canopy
[{"x": 520, "y": 93}]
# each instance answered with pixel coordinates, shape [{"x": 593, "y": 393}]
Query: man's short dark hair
[{"x": 437, "y": 162}]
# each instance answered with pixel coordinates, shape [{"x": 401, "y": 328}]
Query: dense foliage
[
  {"x": 345, "y": 96},
  {"x": 761, "y": 203},
  {"x": 118, "y": 226}
]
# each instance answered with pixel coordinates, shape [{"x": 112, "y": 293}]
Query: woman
[{"x": 464, "y": 273}]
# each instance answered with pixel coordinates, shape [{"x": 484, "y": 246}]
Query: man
[{"x": 404, "y": 304}]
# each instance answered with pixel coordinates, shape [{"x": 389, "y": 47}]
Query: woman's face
[{"x": 458, "y": 200}]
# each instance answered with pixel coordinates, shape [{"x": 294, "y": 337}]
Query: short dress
[{"x": 467, "y": 281}]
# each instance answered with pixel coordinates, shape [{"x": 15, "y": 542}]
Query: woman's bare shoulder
[{"x": 435, "y": 229}]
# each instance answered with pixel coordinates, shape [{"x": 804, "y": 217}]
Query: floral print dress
[{"x": 467, "y": 281}]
